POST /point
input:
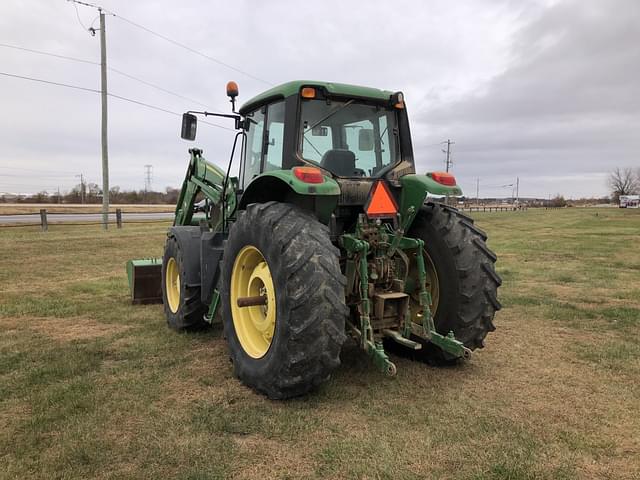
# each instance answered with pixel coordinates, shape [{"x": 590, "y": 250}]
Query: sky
[{"x": 542, "y": 91}]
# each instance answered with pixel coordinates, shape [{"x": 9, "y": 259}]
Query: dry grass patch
[{"x": 69, "y": 329}]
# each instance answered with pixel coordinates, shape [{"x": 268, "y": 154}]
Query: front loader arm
[{"x": 203, "y": 176}]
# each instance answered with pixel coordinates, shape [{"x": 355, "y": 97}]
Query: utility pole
[
  {"x": 448, "y": 162},
  {"x": 103, "y": 97},
  {"x": 478, "y": 191},
  {"x": 81, "y": 187},
  {"x": 105, "y": 152},
  {"x": 518, "y": 189}
]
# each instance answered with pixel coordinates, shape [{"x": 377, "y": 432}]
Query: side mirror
[
  {"x": 365, "y": 139},
  {"x": 189, "y": 125}
]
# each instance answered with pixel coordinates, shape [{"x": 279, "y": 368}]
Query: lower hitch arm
[
  {"x": 447, "y": 343},
  {"x": 450, "y": 345}
]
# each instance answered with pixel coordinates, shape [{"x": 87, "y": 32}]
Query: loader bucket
[{"x": 145, "y": 280}]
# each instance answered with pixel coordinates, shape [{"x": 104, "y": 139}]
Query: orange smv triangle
[{"x": 381, "y": 203}]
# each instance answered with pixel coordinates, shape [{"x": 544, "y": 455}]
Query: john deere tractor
[{"x": 327, "y": 232}]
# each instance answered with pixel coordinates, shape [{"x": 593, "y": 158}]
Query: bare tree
[{"x": 623, "y": 182}]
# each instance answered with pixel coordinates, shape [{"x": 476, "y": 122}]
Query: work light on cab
[
  {"x": 397, "y": 100},
  {"x": 232, "y": 93},
  {"x": 308, "y": 92}
]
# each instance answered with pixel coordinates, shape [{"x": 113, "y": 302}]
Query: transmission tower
[{"x": 148, "y": 177}]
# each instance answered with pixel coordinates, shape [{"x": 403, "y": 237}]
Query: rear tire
[
  {"x": 183, "y": 307},
  {"x": 464, "y": 268},
  {"x": 303, "y": 346}
]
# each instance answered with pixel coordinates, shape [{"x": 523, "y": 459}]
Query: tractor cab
[
  {"x": 346, "y": 137},
  {"x": 347, "y": 131}
]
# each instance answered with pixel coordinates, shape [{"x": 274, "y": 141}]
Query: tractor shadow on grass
[{"x": 358, "y": 375}]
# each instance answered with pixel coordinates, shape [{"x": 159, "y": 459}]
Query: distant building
[{"x": 629, "y": 201}]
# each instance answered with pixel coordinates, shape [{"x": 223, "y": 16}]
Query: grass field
[{"x": 92, "y": 387}]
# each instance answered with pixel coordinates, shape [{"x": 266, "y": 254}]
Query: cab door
[{"x": 265, "y": 137}]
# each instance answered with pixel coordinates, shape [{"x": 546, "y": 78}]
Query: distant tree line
[
  {"x": 621, "y": 181},
  {"x": 91, "y": 193}
]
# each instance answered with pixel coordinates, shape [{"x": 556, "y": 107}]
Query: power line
[
  {"x": 36, "y": 170},
  {"x": 500, "y": 186},
  {"x": 137, "y": 102},
  {"x": 157, "y": 87},
  {"x": 111, "y": 69},
  {"x": 78, "y": 17},
  {"x": 92, "y": 5},
  {"x": 50, "y": 82},
  {"x": 170, "y": 40},
  {"x": 40, "y": 52},
  {"x": 29, "y": 188},
  {"x": 93, "y": 90},
  {"x": 192, "y": 50},
  {"x": 39, "y": 176}
]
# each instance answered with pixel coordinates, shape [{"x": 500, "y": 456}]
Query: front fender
[
  {"x": 284, "y": 186},
  {"x": 415, "y": 189}
]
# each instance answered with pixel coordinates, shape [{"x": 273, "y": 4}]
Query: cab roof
[{"x": 292, "y": 88}]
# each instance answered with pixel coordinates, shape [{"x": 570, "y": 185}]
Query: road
[{"x": 82, "y": 217}]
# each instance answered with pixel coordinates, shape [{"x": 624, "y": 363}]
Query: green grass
[{"x": 93, "y": 387}]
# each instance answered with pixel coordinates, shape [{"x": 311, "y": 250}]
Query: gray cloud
[
  {"x": 567, "y": 108},
  {"x": 542, "y": 91}
]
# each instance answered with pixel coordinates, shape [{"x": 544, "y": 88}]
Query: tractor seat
[{"x": 341, "y": 162}]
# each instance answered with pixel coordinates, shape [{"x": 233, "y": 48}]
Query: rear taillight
[
  {"x": 443, "y": 178},
  {"x": 308, "y": 174}
]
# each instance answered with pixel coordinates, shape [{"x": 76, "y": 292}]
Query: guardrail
[
  {"x": 45, "y": 221},
  {"x": 492, "y": 209}
]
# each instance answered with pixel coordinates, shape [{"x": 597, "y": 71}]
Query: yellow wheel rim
[
  {"x": 255, "y": 325},
  {"x": 172, "y": 281}
]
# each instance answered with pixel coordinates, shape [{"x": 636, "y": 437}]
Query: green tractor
[{"x": 326, "y": 232}]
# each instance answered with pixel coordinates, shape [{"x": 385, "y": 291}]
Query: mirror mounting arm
[{"x": 237, "y": 118}]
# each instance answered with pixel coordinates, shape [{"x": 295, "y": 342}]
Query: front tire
[
  {"x": 292, "y": 344},
  {"x": 183, "y": 307}
]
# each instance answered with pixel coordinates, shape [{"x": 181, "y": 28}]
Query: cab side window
[
  {"x": 255, "y": 143},
  {"x": 275, "y": 137}
]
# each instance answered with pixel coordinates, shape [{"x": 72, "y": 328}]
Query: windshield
[{"x": 347, "y": 138}]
